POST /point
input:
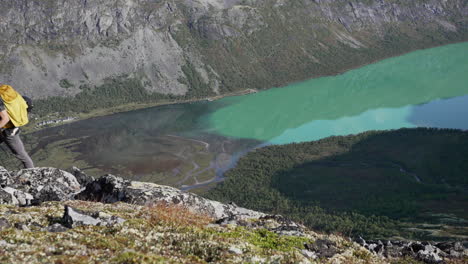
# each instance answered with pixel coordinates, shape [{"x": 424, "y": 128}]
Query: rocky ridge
[{"x": 116, "y": 220}]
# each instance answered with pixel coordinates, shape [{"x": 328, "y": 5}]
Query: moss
[
  {"x": 147, "y": 236},
  {"x": 265, "y": 239}
]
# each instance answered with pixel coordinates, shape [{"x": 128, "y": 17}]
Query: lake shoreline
[
  {"x": 188, "y": 144},
  {"x": 138, "y": 106}
]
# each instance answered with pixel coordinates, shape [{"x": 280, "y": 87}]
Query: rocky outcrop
[
  {"x": 424, "y": 251},
  {"x": 110, "y": 189},
  {"x": 62, "y": 48},
  {"x": 35, "y": 186}
]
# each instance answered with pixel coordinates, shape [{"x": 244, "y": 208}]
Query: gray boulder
[
  {"x": 82, "y": 178},
  {"x": 12, "y": 196},
  {"x": 4, "y": 224},
  {"x": 74, "y": 217},
  {"x": 323, "y": 248},
  {"x": 33, "y": 186},
  {"x": 423, "y": 251},
  {"x": 109, "y": 189},
  {"x": 55, "y": 228},
  {"x": 430, "y": 255}
]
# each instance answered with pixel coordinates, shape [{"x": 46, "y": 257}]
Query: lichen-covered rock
[
  {"x": 106, "y": 189},
  {"x": 12, "y": 196},
  {"x": 323, "y": 248},
  {"x": 33, "y": 186},
  {"x": 424, "y": 251},
  {"x": 82, "y": 178},
  {"x": 110, "y": 189},
  {"x": 54, "y": 228},
  {"x": 4, "y": 223},
  {"x": 7, "y": 197},
  {"x": 73, "y": 218}
]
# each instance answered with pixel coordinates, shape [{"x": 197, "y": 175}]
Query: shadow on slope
[{"x": 377, "y": 184}]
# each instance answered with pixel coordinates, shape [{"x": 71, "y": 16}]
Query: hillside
[
  {"x": 53, "y": 216},
  {"x": 110, "y": 53},
  {"x": 402, "y": 183}
]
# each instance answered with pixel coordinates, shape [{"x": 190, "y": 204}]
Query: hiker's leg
[{"x": 16, "y": 146}]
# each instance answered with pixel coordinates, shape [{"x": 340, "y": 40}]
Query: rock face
[{"x": 61, "y": 48}]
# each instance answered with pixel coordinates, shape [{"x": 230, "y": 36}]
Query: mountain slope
[
  {"x": 122, "y": 51},
  {"x": 402, "y": 183}
]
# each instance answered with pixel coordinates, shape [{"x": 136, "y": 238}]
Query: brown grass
[{"x": 163, "y": 213}]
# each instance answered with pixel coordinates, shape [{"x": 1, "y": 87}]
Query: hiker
[{"x": 13, "y": 114}]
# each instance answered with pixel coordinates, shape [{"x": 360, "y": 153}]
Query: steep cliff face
[{"x": 196, "y": 48}]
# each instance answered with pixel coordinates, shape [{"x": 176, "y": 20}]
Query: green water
[
  {"x": 188, "y": 144},
  {"x": 386, "y": 95}
]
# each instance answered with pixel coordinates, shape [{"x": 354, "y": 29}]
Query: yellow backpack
[{"x": 15, "y": 105}]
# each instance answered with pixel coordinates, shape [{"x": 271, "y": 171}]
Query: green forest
[{"x": 375, "y": 184}]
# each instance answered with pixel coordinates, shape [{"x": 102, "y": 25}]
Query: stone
[
  {"x": 74, "y": 217},
  {"x": 33, "y": 186},
  {"x": 455, "y": 254},
  {"x": 361, "y": 241},
  {"x": 416, "y": 246},
  {"x": 4, "y": 224},
  {"x": 445, "y": 246},
  {"x": 22, "y": 226},
  {"x": 106, "y": 189},
  {"x": 392, "y": 252},
  {"x": 235, "y": 250},
  {"x": 24, "y": 198},
  {"x": 4, "y": 244},
  {"x": 56, "y": 228},
  {"x": 12, "y": 196},
  {"x": 6, "y": 197},
  {"x": 82, "y": 178},
  {"x": 309, "y": 254},
  {"x": 110, "y": 189},
  {"x": 323, "y": 248},
  {"x": 458, "y": 246},
  {"x": 408, "y": 251},
  {"x": 379, "y": 249},
  {"x": 429, "y": 257}
]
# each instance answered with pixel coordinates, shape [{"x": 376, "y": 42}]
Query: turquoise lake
[
  {"x": 187, "y": 145},
  {"x": 423, "y": 88}
]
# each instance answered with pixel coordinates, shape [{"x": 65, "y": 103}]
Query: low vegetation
[
  {"x": 375, "y": 184},
  {"x": 159, "y": 233}
]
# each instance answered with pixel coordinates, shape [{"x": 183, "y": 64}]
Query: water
[
  {"x": 385, "y": 95},
  {"x": 193, "y": 144}
]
